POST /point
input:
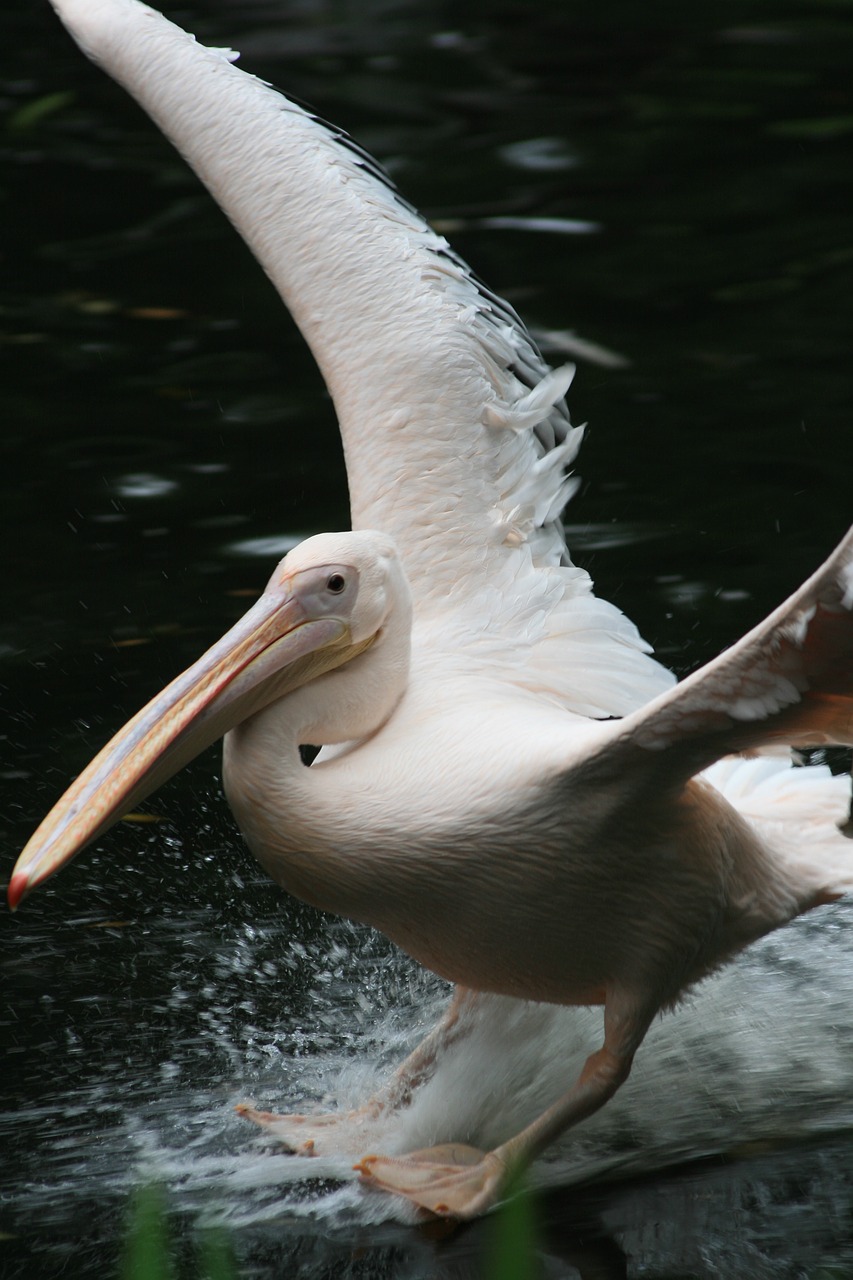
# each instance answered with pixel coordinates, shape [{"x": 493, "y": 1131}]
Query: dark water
[{"x": 164, "y": 433}]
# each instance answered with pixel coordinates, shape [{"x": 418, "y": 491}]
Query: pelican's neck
[{"x": 294, "y": 820}]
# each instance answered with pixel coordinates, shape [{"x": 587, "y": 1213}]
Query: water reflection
[{"x": 161, "y": 979}]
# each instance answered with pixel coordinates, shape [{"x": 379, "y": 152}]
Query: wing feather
[
  {"x": 455, "y": 430},
  {"x": 788, "y": 681}
]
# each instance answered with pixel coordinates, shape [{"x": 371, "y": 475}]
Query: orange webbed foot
[
  {"x": 450, "y": 1181},
  {"x": 309, "y": 1135}
]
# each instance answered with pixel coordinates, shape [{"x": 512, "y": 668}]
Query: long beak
[{"x": 273, "y": 649}]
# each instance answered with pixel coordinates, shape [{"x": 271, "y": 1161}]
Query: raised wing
[
  {"x": 788, "y": 681},
  {"x": 455, "y": 431}
]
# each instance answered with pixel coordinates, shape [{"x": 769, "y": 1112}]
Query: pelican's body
[
  {"x": 510, "y": 786},
  {"x": 486, "y": 835}
]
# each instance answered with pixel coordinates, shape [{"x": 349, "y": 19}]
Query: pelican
[{"x": 510, "y": 787}]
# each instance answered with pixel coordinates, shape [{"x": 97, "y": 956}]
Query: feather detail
[
  {"x": 455, "y": 429},
  {"x": 531, "y": 409}
]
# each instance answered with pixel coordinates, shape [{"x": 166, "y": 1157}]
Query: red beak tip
[{"x": 18, "y": 886}]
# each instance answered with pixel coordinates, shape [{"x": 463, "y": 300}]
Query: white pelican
[{"x": 510, "y": 788}]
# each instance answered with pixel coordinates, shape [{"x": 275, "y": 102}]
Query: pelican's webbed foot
[
  {"x": 450, "y": 1181},
  {"x": 309, "y": 1135}
]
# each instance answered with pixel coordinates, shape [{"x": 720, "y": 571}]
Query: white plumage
[{"x": 476, "y": 799}]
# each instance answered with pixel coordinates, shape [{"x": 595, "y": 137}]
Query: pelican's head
[
  {"x": 327, "y": 602},
  {"x": 368, "y": 585}
]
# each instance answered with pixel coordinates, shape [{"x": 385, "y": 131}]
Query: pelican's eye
[{"x": 336, "y": 583}]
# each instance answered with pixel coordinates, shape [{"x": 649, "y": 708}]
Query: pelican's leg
[
  {"x": 307, "y": 1135},
  {"x": 456, "y": 1181},
  {"x": 418, "y": 1067}
]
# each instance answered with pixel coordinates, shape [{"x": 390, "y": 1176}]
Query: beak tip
[{"x": 18, "y": 886}]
